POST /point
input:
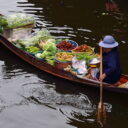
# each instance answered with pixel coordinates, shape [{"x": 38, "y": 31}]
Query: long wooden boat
[{"x": 40, "y": 64}]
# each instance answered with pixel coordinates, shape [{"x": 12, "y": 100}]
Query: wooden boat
[{"x": 40, "y": 64}]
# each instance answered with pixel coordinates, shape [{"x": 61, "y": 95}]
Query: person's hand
[
  {"x": 102, "y": 77},
  {"x": 89, "y": 70}
]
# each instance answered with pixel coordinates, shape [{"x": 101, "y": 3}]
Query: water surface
[{"x": 30, "y": 98}]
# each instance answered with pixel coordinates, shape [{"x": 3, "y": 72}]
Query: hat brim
[{"x": 102, "y": 44}]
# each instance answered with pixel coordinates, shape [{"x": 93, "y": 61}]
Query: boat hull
[{"x": 40, "y": 64}]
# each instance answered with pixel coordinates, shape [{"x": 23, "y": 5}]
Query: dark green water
[{"x": 30, "y": 98}]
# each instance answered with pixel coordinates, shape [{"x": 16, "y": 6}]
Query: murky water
[{"x": 30, "y": 98}]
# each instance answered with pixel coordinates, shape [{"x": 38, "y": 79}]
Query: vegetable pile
[
  {"x": 3, "y": 23},
  {"x": 49, "y": 53},
  {"x": 41, "y": 36},
  {"x": 64, "y": 56},
  {"x": 15, "y": 21},
  {"x": 32, "y": 49},
  {"x": 44, "y": 46},
  {"x": 85, "y": 56},
  {"x": 19, "y": 20}
]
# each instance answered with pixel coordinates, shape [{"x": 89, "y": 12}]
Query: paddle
[{"x": 101, "y": 115}]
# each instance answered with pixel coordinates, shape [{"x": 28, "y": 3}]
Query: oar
[{"x": 101, "y": 116}]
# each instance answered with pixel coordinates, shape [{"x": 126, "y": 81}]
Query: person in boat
[
  {"x": 111, "y": 62},
  {"x": 93, "y": 68}
]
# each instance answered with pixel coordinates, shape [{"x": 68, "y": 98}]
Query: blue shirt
[{"x": 111, "y": 66}]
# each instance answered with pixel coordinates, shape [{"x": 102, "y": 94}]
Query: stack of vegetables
[
  {"x": 19, "y": 20},
  {"x": 67, "y": 56},
  {"x": 15, "y": 21},
  {"x": 40, "y": 38},
  {"x": 3, "y": 23},
  {"x": 49, "y": 53},
  {"x": 85, "y": 52},
  {"x": 43, "y": 45},
  {"x": 85, "y": 56}
]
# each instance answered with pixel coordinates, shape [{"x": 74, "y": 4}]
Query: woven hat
[{"x": 108, "y": 42}]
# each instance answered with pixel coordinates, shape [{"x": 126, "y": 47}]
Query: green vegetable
[
  {"x": 49, "y": 53},
  {"x": 50, "y": 47},
  {"x": 45, "y": 54},
  {"x": 41, "y": 35},
  {"x": 3, "y": 23},
  {"x": 19, "y": 20},
  {"x": 48, "y": 56},
  {"x": 84, "y": 56},
  {"x": 1, "y": 29},
  {"x": 32, "y": 49},
  {"x": 51, "y": 41},
  {"x": 52, "y": 62}
]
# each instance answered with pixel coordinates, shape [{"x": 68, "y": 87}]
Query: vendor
[{"x": 111, "y": 63}]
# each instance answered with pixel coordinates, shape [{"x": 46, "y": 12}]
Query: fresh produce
[
  {"x": 42, "y": 43},
  {"x": 42, "y": 35},
  {"x": 85, "y": 56},
  {"x": 50, "y": 47},
  {"x": 48, "y": 56},
  {"x": 49, "y": 53},
  {"x": 83, "y": 48},
  {"x": 65, "y": 45},
  {"x": 19, "y": 20},
  {"x": 51, "y": 41},
  {"x": 64, "y": 56},
  {"x": 45, "y": 54},
  {"x": 50, "y": 61},
  {"x": 3, "y": 23},
  {"x": 32, "y": 49}
]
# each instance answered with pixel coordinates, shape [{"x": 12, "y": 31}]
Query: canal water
[{"x": 30, "y": 98}]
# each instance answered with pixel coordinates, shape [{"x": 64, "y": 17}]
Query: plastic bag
[
  {"x": 19, "y": 20},
  {"x": 94, "y": 72},
  {"x": 79, "y": 66}
]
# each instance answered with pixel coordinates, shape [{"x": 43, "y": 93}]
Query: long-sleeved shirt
[{"x": 111, "y": 66}]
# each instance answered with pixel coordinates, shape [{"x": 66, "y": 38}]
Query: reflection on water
[
  {"x": 24, "y": 90},
  {"x": 31, "y": 98}
]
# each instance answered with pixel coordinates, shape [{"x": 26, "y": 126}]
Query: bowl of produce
[
  {"x": 84, "y": 48},
  {"x": 67, "y": 45},
  {"x": 63, "y": 59},
  {"x": 64, "y": 56}
]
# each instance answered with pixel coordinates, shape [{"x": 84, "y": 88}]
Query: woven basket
[{"x": 62, "y": 65}]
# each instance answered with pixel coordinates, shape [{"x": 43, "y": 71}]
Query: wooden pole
[{"x": 101, "y": 117}]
